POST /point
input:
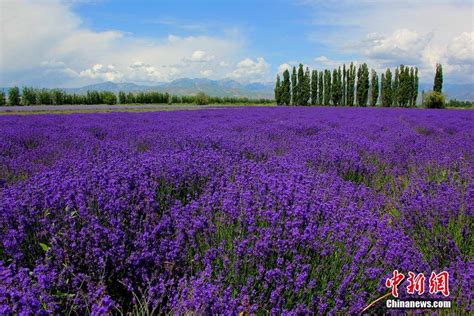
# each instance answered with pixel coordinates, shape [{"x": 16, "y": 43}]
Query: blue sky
[{"x": 75, "y": 42}]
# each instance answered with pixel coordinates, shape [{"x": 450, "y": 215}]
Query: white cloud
[
  {"x": 99, "y": 71},
  {"x": 44, "y": 43},
  {"x": 251, "y": 70},
  {"x": 201, "y": 56},
  {"x": 206, "y": 73},
  {"x": 284, "y": 67}
]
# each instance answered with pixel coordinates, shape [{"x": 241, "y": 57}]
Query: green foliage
[
  {"x": 108, "y": 97},
  {"x": 57, "y": 96},
  {"x": 351, "y": 75},
  {"x": 3, "y": 100},
  {"x": 395, "y": 87},
  {"x": 387, "y": 93},
  {"x": 299, "y": 86},
  {"x": 362, "y": 85},
  {"x": 14, "y": 96},
  {"x": 314, "y": 87},
  {"x": 286, "y": 88},
  {"x": 438, "y": 80},
  {"x": 374, "y": 88},
  {"x": 305, "y": 88},
  {"x": 336, "y": 86},
  {"x": 320, "y": 88},
  {"x": 278, "y": 90},
  {"x": 122, "y": 97},
  {"x": 415, "y": 87},
  {"x": 201, "y": 98},
  {"x": 28, "y": 96},
  {"x": 434, "y": 100},
  {"x": 327, "y": 87},
  {"x": 294, "y": 83},
  {"x": 453, "y": 103},
  {"x": 344, "y": 85}
]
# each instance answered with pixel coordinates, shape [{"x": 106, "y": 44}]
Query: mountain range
[
  {"x": 227, "y": 87},
  {"x": 186, "y": 86}
]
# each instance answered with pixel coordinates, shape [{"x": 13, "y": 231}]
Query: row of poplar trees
[{"x": 348, "y": 87}]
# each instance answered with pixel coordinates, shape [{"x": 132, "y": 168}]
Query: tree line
[
  {"x": 33, "y": 96},
  {"x": 348, "y": 86}
]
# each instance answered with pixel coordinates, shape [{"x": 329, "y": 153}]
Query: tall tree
[
  {"x": 286, "y": 88},
  {"x": 294, "y": 84},
  {"x": 351, "y": 75},
  {"x": 299, "y": 85},
  {"x": 14, "y": 96},
  {"x": 395, "y": 85},
  {"x": 321, "y": 88},
  {"x": 386, "y": 99},
  {"x": 306, "y": 87},
  {"x": 362, "y": 85},
  {"x": 438, "y": 80},
  {"x": 122, "y": 97},
  {"x": 415, "y": 87},
  {"x": 327, "y": 87},
  {"x": 278, "y": 90},
  {"x": 2, "y": 98},
  {"x": 314, "y": 87},
  {"x": 344, "y": 88},
  {"x": 374, "y": 88},
  {"x": 337, "y": 86}
]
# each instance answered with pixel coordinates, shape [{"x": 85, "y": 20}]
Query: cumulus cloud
[
  {"x": 401, "y": 46},
  {"x": 201, "y": 56},
  {"x": 43, "y": 42},
  {"x": 251, "y": 69}
]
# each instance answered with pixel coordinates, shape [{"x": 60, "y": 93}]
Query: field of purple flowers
[{"x": 258, "y": 210}]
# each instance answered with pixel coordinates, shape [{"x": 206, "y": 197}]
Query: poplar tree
[
  {"x": 374, "y": 88},
  {"x": 2, "y": 98},
  {"x": 395, "y": 85},
  {"x": 14, "y": 96},
  {"x": 327, "y": 87},
  {"x": 305, "y": 88},
  {"x": 382, "y": 89},
  {"x": 122, "y": 97},
  {"x": 294, "y": 81},
  {"x": 344, "y": 89},
  {"x": 351, "y": 84},
  {"x": 277, "y": 90},
  {"x": 362, "y": 85},
  {"x": 438, "y": 80},
  {"x": 299, "y": 85},
  {"x": 387, "y": 89},
  {"x": 321, "y": 88},
  {"x": 286, "y": 88},
  {"x": 415, "y": 87},
  {"x": 314, "y": 87}
]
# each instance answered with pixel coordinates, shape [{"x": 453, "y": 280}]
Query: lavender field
[{"x": 259, "y": 210}]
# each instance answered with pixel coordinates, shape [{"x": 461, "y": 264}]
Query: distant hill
[
  {"x": 186, "y": 86},
  {"x": 227, "y": 87}
]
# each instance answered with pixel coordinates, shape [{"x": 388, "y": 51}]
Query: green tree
[
  {"x": 434, "y": 100},
  {"x": 362, "y": 85},
  {"x": 395, "y": 85},
  {"x": 202, "y": 98},
  {"x": 344, "y": 85},
  {"x": 314, "y": 87},
  {"x": 336, "y": 86},
  {"x": 28, "y": 96},
  {"x": 327, "y": 87},
  {"x": 57, "y": 96},
  {"x": 278, "y": 90},
  {"x": 286, "y": 89},
  {"x": 299, "y": 85},
  {"x": 306, "y": 88},
  {"x": 294, "y": 88},
  {"x": 351, "y": 75},
  {"x": 122, "y": 97},
  {"x": 321, "y": 88},
  {"x": 374, "y": 88},
  {"x": 415, "y": 87},
  {"x": 3, "y": 101},
  {"x": 386, "y": 95},
  {"x": 14, "y": 96},
  {"x": 438, "y": 80}
]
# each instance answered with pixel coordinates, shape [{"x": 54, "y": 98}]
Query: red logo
[{"x": 439, "y": 283}]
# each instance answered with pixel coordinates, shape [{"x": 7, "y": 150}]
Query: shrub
[
  {"x": 202, "y": 99},
  {"x": 434, "y": 100},
  {"x": 14, "y": 96}
]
